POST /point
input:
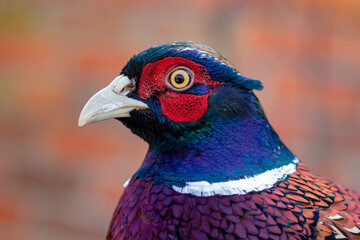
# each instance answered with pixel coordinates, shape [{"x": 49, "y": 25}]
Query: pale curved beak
[{"x": 110, "y": 102}]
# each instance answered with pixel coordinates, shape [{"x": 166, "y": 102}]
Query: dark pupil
[{"x": 179, "y": 78}]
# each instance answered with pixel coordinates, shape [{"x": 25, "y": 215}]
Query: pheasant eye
[{"x": 180, "y": 79}]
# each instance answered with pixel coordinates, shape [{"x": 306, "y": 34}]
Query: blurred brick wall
[{"x": 58, "y": 181}]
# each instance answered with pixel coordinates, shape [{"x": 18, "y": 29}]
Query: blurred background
[{"x": 59, "y": 181}]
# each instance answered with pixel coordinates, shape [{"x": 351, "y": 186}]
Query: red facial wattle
[
  {"x": 183, "y": 107},
  {"x": 176, "y": 105}
]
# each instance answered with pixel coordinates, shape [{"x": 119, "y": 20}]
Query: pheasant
[{"x": 215, "y": 168}]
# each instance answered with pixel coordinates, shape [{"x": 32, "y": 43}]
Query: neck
[{"x": 232, "y": 150}]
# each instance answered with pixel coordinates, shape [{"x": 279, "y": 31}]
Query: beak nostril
[
  {"x": 129, "y": 87},
  {"x": 118, "y": 90},
  {"x": 121, "y": 84}
]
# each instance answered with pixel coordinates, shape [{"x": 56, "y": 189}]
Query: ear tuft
[{"x": 248, "y": 83}]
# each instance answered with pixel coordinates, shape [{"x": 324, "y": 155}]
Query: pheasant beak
[{"x": 110, "y": 102}]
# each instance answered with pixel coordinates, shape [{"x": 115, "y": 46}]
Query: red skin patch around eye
[
  {"x": 179, "y": 107},
  {"x": 183, "y": 107}
]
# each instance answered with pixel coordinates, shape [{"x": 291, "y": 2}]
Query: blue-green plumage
[
  {"x": 233, "y": 143},
  {"x": 233, "y": 131}
]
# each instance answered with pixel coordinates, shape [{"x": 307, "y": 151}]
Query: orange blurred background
[{"x": 58, "y": 181}]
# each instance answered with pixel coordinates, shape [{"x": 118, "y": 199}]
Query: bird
[{"x": 215, "y": 167}]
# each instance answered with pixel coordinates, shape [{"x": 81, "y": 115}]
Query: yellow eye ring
[{"x": 180, "y": 79}]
